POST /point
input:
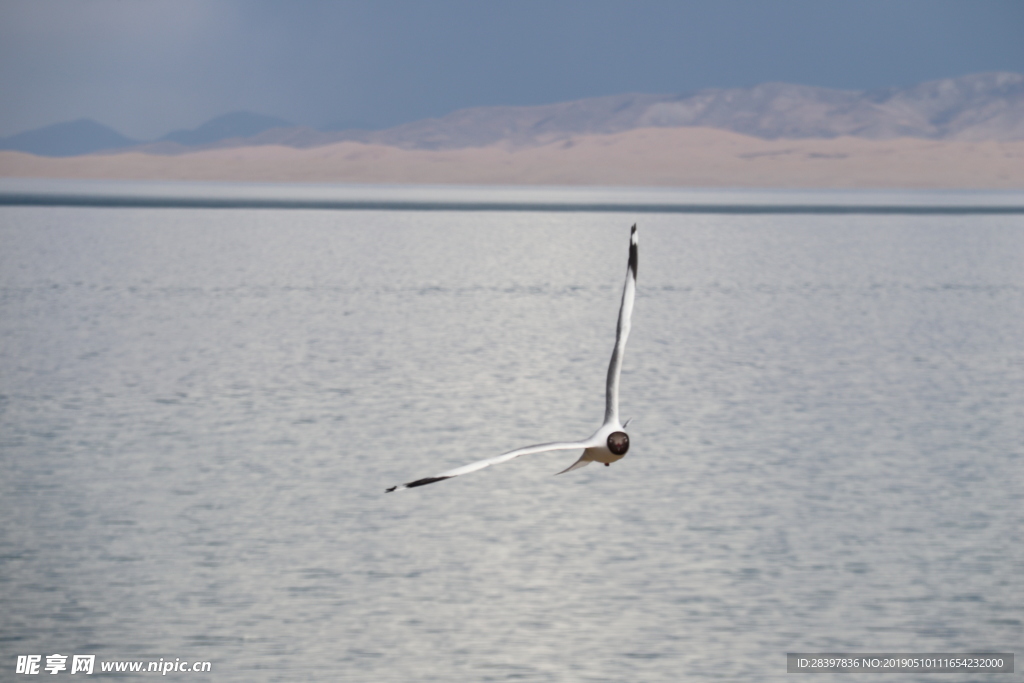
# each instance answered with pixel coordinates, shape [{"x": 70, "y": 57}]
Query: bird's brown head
[{"x": 618, "y": 443}]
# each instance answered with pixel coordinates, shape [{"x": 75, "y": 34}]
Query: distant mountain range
[
  {"x": 239, "y": 124},
  {"x": 83, "y": 136},
  {"x": 987, "y": 106}
]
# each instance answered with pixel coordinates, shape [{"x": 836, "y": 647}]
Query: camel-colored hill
[{"x": 681, "y": 157}]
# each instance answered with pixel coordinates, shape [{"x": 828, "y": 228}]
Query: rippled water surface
[{"x": 200, "y": 411}]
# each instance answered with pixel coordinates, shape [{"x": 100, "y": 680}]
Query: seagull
[{"x": 609, "y": 443}]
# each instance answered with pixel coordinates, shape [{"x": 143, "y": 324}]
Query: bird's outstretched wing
[
  {"x": 496, "y": 460},
  {"x": 611, "y": 409},
  {"x": 582, "y": 462}
]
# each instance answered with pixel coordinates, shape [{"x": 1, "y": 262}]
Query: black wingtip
[
  {"x": 633, "y": 251},
  {"x": 414, "y": 484},
  {"x": 424, "y": 482}
]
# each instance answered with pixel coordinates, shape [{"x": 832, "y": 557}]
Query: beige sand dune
[{"x": 681, "y": 157}]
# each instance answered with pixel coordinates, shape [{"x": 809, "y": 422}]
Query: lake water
[{"x": 200, "y": 410}]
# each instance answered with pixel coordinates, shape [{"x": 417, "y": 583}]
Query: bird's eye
[{"x": 618, "y": 443}]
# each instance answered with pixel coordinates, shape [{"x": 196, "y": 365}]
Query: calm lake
[{"x": 200, "y": 410}]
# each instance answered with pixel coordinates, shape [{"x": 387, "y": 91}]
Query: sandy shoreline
[{"x": 670, "y": 157}]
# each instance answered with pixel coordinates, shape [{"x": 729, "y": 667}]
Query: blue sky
[{"x": 146, "y": 67}]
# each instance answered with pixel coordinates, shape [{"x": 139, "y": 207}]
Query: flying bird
[{"x": 607, "y": 444}]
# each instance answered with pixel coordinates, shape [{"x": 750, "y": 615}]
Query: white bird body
[
  {"x": 596, "y": 447},
  {"x": 610, "y": 442}
]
